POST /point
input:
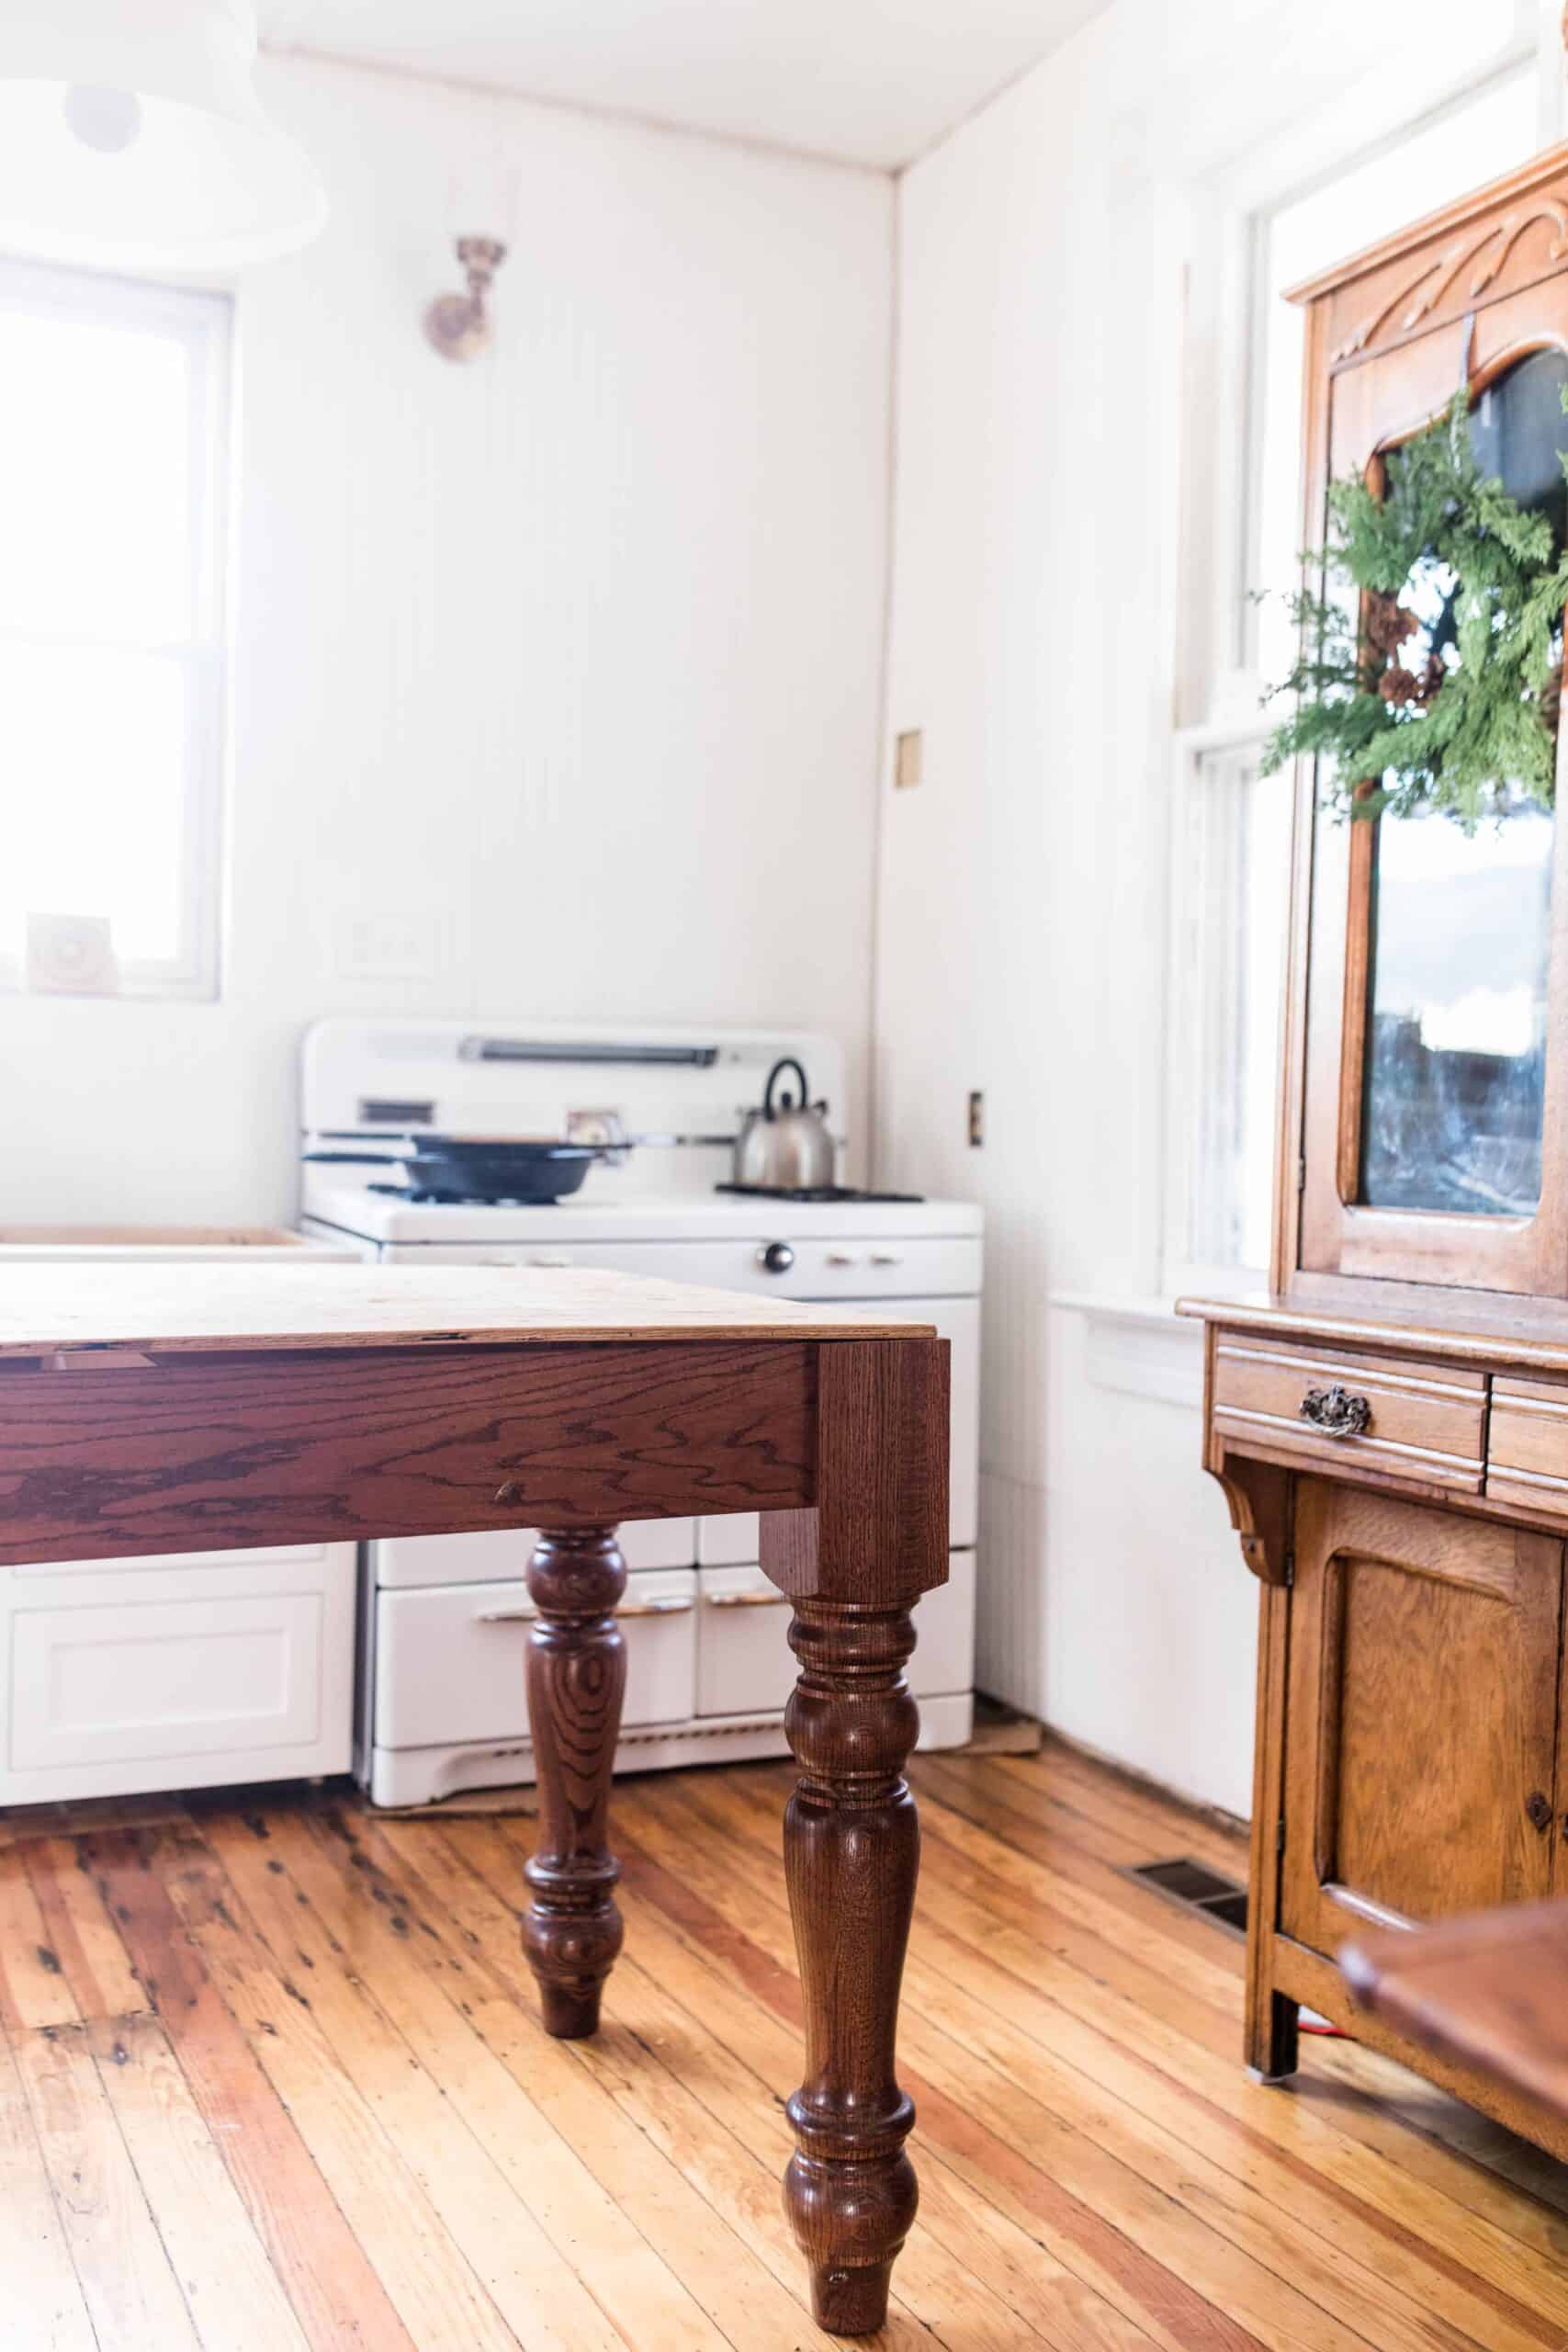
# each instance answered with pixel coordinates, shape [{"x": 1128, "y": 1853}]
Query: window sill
[{"x": 1139, "y": 1346}]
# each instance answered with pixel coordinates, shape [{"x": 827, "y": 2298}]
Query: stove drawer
[
  {"x": 449, "y": 1662},
  {"x": 401, "y": 1561},
  {"x": 744, "y": 1665}
]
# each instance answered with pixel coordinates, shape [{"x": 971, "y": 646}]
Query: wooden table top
[
  {"x": 1486, "y": 1990},
  {"x": 161, "y": 1309}
]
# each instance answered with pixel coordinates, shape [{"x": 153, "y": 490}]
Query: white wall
[
  {"x": 1036, "y": 619},
  {"x": 571, "y": 660}
]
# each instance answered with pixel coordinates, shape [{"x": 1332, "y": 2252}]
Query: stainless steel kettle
[{"x": 786, "y": 1145}]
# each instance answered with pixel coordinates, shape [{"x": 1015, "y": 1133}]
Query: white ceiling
[{"x": 866, "y": 80}]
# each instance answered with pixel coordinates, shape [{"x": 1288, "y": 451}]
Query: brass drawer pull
[{"x": 1335, "y": 1411}]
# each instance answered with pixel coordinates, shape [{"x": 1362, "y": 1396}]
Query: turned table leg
[
  {"x": 852, "y": 1849},
  {"x": 577, "y": 1672}
]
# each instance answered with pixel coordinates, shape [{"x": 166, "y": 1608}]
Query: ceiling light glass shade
[{"x": 131, "y": 137}]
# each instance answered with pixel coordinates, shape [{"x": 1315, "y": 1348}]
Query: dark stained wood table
[
  {"x": 162, "y": 1408},
  {"x": 1488, "y": 1990}
]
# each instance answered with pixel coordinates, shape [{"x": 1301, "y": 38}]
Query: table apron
[{"x": 192, "y": 1452}]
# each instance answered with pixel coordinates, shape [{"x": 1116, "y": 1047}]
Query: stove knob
[{"x": 776, "y": 1259}]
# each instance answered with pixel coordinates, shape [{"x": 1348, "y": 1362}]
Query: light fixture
[
  {"x": 131, "y": 137},
  {"x": 459, "y": 324}
]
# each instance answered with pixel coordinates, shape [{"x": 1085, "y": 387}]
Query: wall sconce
[{"x": 459, "y": 324}]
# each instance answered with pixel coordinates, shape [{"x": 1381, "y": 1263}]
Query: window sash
[{"x": 202, "y": 323}]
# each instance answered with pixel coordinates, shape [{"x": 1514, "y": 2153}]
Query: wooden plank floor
[{"x": 271, "y": 2078}]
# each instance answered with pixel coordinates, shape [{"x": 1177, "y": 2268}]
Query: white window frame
[
  {"x": 1219, "y": 692},
  {"x": 202, "y": 320}
]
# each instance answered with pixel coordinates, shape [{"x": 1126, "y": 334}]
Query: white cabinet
[{"x": 189, "y": 1670}]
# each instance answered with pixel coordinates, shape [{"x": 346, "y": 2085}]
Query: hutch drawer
[
  {"x": 1396, "y": 1414},
  {"x": 1527, "y": 1450}
]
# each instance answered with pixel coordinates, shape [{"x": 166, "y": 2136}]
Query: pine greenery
[{"x": 1470, "y": 736}]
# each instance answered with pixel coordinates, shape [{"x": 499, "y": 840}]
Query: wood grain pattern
[
  {"x": 161, "y": 1310},
  {"x": 1485, "y": 1990},
  {"x": 1099, "y": 2175},
  {"x": 198, "y": 1454},
  {"x": 200, "y": 1441},
  {"x": 1426, "y": 1422},
  {"x": 577, "y": 1679},
  {"x": 1422, "y": 1708},
  {"x": 853, "y": 1566}
]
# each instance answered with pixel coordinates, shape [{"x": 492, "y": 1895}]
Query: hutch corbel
[{"x": 1389, "y": 1422}]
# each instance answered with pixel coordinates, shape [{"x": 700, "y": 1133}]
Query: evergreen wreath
[{"x": 1454, "y": 710}]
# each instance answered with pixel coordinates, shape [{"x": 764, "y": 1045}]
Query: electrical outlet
[{"x": 976, "y": 1119}]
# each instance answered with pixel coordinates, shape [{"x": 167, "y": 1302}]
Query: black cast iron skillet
[{"x": 483, "y": 1168}]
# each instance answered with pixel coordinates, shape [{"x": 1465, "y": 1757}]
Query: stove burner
[{"x": 829, "y": 1193}]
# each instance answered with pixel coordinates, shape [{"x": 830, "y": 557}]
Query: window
[
  {"x": 1230, "y": 840},
  {"x": 112, "y": 476}
]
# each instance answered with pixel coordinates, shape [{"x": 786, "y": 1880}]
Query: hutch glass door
[{"x": 1430, "y": 1151}]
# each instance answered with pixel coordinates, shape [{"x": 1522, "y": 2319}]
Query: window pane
[
  {"x": 95, "y": 478},
  {"x": 1455, "y": 1050},
  {"x": 1232, "y": 887},
  {"x": 93, "y": 818}
]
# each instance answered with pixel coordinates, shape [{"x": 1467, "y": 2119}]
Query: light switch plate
[{"x": 909, "y": 758}]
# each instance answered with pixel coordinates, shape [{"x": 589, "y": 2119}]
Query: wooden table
[
  {"x": 151, "y": 1409},
  {"x": 1485, "y": 1991}
]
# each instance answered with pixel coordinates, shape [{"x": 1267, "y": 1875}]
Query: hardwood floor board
[
  {"x": 84, "y": 1938},
  {"x": 1085, "y": 2236},
  {"x": 727, "y": 2136},
  {"x": 45, "y": 2308},
  {"x": 1206, "y": 2001},
  {"x": 539, "y": 2294},
  {"x": 1101, "y": 1794},
  {"x": 484, "y": 1973},
  {"x": 330, "y": 2285},
  {"x": 1117, "y": 2165},
  {"x": 34, "y": 1990},
  {"x": 1045, "y": 1864},
  {"x": 1423, "y": 2131},
  {"x": 611, "y": 2256},
  {"x": 231, "y": 2289},
  {"x": 127, "y": 2281},
  {"x": 1075, "y": 1856},
  {"x": 1488, "y": 2287},
  {"x": 272, "y": 2079},
  {"x": 443, "y": 2306}
]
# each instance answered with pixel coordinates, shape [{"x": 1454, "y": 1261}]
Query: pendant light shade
[{"x": 131, "y": 137}]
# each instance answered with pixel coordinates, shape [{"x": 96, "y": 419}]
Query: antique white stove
[{"x": 442, "y": 1618}]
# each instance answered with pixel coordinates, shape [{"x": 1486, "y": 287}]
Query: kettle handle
[{"x": 788, "y": 1062}]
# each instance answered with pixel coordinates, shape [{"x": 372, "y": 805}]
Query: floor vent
[{"x": 1196, "y": 1888}]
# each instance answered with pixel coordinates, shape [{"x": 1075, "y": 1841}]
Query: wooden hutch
[{"x": 1389, "y": 1423}]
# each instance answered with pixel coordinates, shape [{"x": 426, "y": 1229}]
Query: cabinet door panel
[{"x": 1422, "y": 1714}]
